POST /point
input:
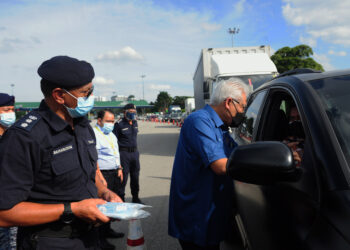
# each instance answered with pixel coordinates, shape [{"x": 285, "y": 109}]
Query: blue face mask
[
  {"x": 7, "y": 119},
  {"x": 130, "y": 116},
  {"x": 107, "y": 127},
  {"x": 84, "y": 105}
]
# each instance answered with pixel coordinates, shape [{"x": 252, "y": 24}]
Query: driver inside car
[{"x": 295, "y": 135}]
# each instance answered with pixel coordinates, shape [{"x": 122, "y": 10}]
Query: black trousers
[
  {"x": 87, "y": 241},
  {"x": 130, "y": 162},
  {"x": 191, "y": 246},
  {"x": 113, "y": 183}
]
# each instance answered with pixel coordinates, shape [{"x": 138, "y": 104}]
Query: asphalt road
[{"x": 157, "y": 145}]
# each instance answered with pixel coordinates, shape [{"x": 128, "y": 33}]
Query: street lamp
[
  {"x": 233, "y": 32},
  {"x": 143, "y": 86},
  {"x": 12, "y": 86}
]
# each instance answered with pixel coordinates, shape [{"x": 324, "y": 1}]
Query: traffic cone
[
  {"x": 135, "y": 241},
  {"x": 168, "y": 122}
]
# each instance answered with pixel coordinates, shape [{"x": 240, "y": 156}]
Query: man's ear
[
  {"x": 57, "y": 95},
  {"x": 227, "y": 103}
]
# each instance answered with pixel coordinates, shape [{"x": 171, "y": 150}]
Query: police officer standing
[
  {"x": 48, "y": 181},
  {"x": 126, "y": 131},
  {"x": 7, "y": 118}
]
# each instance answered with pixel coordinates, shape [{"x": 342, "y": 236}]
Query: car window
[
  {"x": 334, "y": 93},
  {"x": 245, "y": 130}
]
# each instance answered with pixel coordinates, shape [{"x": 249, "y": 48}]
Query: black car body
[{"x": 281, "y": 206}]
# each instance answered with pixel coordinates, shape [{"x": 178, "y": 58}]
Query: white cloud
[
  {"x": 125, "y": 54},
  {"x": 337, "y": 53},
  {"x": 328, "y": 20},
  {"x": 99, "y": 80},
  {"x": 324, "y": 61},
  {"x": 159, "y": 86},
  {"x": 211, "y": 26},
  {"x": 312, "y": 42}
]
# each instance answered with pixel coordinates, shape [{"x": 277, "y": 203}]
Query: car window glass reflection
[{"x": 251, "y": 114}]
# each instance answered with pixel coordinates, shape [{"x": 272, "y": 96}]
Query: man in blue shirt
[
  {"x": 109, "y": 164},
  {"x": 200, "y": 203}
]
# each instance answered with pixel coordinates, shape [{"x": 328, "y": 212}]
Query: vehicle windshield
[
  {"x": 252, "y": 80},
  {"x": 335, "y": 96}
]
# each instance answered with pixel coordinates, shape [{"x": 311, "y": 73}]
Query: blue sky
[{"x": 161, "y": 38}]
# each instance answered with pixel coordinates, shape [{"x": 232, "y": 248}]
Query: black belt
[
  {"x": 128, "y": 149},
  {"x": 59, "y": 229}
]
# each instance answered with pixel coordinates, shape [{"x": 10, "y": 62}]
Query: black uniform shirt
[
  {"x": 43, "y": 160},
  {"x": 126, "y": 133}
]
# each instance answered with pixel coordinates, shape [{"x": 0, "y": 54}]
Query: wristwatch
[{"x": 67, "y": 216}]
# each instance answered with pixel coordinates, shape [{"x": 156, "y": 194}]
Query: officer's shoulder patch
[{"x": 28, "y": 121}]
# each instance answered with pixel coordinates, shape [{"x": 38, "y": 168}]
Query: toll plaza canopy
[{"x": 25, "y": 106}]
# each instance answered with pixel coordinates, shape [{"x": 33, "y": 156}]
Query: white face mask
[
  {"x": 107, "y": 127},
  {"x": 7, "y": 119},
  {"x": 84, "y": 105}
]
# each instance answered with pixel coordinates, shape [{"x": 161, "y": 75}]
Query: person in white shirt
[{"x": 109, "y": 164}]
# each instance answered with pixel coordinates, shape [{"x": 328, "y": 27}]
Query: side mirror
[{"x": 264, "y": 162}]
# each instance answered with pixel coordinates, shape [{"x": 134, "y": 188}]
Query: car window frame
[{"x": 250, "y": 101}]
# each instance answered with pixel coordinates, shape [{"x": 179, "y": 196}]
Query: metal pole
[
  {"x": 232, "y": 32},
  {"x": 143, "y": 86}
]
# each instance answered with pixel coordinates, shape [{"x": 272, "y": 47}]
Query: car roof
[{"x": 303, "y": 77}]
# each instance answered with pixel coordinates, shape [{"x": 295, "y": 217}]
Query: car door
[{"x": 277, "y": 216}]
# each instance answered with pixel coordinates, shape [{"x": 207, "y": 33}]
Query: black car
[{"x": 284, "y": 204}]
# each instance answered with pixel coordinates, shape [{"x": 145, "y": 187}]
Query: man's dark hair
[
  {"x": 102, "y": 113},
  {"x": 47, "y": 87}
]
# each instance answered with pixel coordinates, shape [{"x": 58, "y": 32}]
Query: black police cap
[
  {"x": 6, "y": 100},
  {"x": 66, "y": 72},
  {"x": 129, "y": 106}
]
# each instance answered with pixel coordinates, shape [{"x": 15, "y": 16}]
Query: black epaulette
[{"x": 28, "y": 121}]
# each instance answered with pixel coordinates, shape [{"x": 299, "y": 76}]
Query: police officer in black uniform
[
  {"x": 126, "y": 131},
  {"x": 48, "y": 180}
]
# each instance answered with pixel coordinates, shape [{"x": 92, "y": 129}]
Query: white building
[
  {"x": 100, "y": 98},
  {"x": 119, "y": 98}
]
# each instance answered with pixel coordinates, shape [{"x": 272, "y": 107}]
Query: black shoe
[
  {"x": 137, "y": 200},
  {"x": 113, "y": 234},
  {"x": 105, "y": 245}
]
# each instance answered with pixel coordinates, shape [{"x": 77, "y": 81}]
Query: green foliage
[
  {"x": 180, "y": 100},
  {"x": 163, "y": 101},
  {"x": 288, "y": 58},
  {"x": 131, "y": 97}
]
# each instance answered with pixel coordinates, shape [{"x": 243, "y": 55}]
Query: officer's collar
[
  {"x": 56, "y": 122},
  {"x": 214, "y": 116}
]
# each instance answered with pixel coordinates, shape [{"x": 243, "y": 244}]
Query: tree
[
  {"x": 163, "y": 101},
  {"x": 288, "y": 58},
  {"x": 131, "y": 97},
  {"x": 180, "y": 100}
]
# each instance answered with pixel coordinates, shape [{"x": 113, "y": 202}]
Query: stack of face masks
[{"x": 123, "y": 211}]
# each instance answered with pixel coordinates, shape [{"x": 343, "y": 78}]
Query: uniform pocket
[
  {"x": 64, "y": 162},
  {"x": 93, "y": 153}
]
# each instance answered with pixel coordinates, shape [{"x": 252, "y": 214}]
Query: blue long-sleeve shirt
[{"x": 107, "y": 149}]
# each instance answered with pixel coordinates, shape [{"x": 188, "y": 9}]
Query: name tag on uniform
[
  {"x": 63, "y": 149},
  {"x": 91, "y": 142},
  {"x": 125, "y": 129}
]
